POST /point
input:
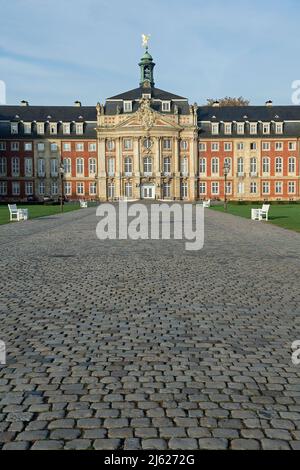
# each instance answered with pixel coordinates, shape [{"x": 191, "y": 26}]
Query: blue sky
[{"x": 54, "y": 52}]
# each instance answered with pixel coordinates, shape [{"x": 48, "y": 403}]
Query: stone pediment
[{"x": 147, "y": 118}]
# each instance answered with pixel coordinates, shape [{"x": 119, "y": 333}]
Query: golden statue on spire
[{"x": 145, "y": 39}]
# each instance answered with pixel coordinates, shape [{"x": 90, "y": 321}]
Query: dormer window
[
  {"x": 79, "y": 128},
  {"x": 146, "y": 96},
  {"x": 66, "y": 128},
  {"x": 53, "y": 128},
  {"x": 127, "y": 106},
  {"x": 166, "y": 106},
  {"x": 14, "y": 128},
  {"x": 253, "y": 128},
  {"x": 227, "y": 128},
  {"x": 40, "y": 128},
  {"x": 266, "y": 128},
  {"x": 215, "y": 128},
  {"x": 279, "y": 128},
  {"x": 27, "y": 127},
  {"x": 240, "y": 128}
]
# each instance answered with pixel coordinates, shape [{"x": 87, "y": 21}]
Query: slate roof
[
  {"x": 41, "y": 113},
  {"x": 156, "y": 93},
  {"x": 253, "y": 113}
]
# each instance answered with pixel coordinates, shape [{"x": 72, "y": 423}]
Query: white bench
[
  {"x": 206, "y": 204},
  {"x": 261, "y": 214},
  {"x": 17, "y": 214},
  {"x": 83, "y": 204}
]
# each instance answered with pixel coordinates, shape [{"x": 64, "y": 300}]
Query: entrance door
[{"x": 148, "y": 191}]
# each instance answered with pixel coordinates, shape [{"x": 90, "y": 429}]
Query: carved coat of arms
[{"x": 145, "y": 114}]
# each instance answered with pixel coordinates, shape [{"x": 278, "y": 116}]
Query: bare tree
[{"x": 229, "y": 101}]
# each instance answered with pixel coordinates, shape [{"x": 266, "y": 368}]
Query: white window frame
[
  {"x": 14, "y": 127},
  {"x": 80, "y": 166},
  {"x": 289, "y": 187},
  {"x": 166, "y": 106},
  {"x": 28, "y": 188},
  {"x": 79, "y": 128},
  {"x": 40, "y": 128},
  {"x": 3, "y": 188},
  {"x": 15, "y": 188},
  {"x": 27, "y": 127},
  {"x": 127, "y": 106},
  {"x": 215, "y": 128},
  {"x": 3, "y": 166},
  {"x": 215, "y": 188}
]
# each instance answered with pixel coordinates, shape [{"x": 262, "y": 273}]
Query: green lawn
[
  {"x": 283, "y": 215},
  {"x": 37, "y": 210}
]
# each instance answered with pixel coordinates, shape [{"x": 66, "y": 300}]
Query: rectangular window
[
  {"x": 110, "y": 145},
  {"x": 279, "y": 146},
  {"x": 3, "y": 188},
  {"x": 54, "y": 167},
  {"x": 28, "y": 166},
  {"x": 184, "y": 145},
  {"x": 202, "y": 147},
  {"x": 202, "y": 166},
  {"x": 67, "y": 166},
  {"x": 93, "y": 189},
  {"x": 2, "y": 146},
  {"x": 111, "y": 190},
  {"x": 227, "y": 128},
  {"x": 292, "y": 165},
  {"x": 15, "y": 188},
  {"x": 228, "y": 187},
  {"x": 79, "y": 128},
  {"x": 15, "y": 146},
  {"x": 215, "y": 128},
  {"x": 266, "y": 146},
  {"x": 27, "y": 127},
  {"x": 127, "y": 144},
  {"x": 67, "y": 147},
  {"x": 79, "y": 147},
  {"x": 92, "y": 166},
  {"x": 291, "y": 187},
  {"x": 80, "y": 189},
  {"x": 167, "y": 144},
  {"x": 54, "y": 188},
  {"x": 215, "y": 166},
  {"x": 240, "y": 128},
  {"x": 266, "y": 187},
  {"x": 28, "y": 188},
  {"x": 202, "y": 188},
  {"x": 240, "y": 146},
  {"x": 278, "y": 187},
  {"x": 227, "y": 146},
  {"x": 241, "y": 188},
  {"x": 41, "y": 146},
  {"x": 278, "y": 165},
  {"x": 128, "y": 190},
  {"x": 253, "y": 146},
  {"x": 127, "y": 106},
  {"x": 292, "y": 146},
  {"x": 279, "y": 128},
  {"x": 53, "y": 147},
  {"x": 253, "y": 128},
  {"x": 68, "y": 188},
  {"x": 240, "y": 165},
  {"x": 253, "y": 188},
  {"x": 42, "y": 187},
  {"x": 266, "y": 165},
  {"x": 15, "y": 166},
  {"x": 41, "y": 167},
  {"x": 166, "y": 106},
  {"x": 184, "y": 190},
  {"x": 111, "y": 166},
  {"x": 66, "y": 128},
  {"x": 28, "y": 146},
  {"x": 92, "y": 147},
  {"x": 14, "y": 128},
  {"x": 215, "y": 146},
  {"x": 215, "y": 188},
  {"x": 3, "y": 166},
  {"x": 167, "y": 190}
]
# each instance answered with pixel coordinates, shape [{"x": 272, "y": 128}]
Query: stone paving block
[
  {"x": 47, "y": 445},
  {"x": 183, "y": 444},
  {"x": 107, "y": 444}
]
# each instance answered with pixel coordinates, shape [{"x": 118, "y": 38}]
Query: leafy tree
[{"x": 229, "y": 101}]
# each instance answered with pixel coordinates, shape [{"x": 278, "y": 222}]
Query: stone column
[
  {"x": 119, "y": 169},
  {"x": 102, "y": 190},
  {"x": 136, "y": 168},
  {"x": 176, "y": 184}
]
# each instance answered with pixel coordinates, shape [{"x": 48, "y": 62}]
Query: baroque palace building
[{"x": 149, "y": 144}]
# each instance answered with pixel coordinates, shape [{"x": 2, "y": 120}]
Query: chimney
[
  {"x": 77, "y": 103},
  {"x": 24, "y": 103},
  {"x": 216, "y": 104},
  {"x": 269, "y": 103}
]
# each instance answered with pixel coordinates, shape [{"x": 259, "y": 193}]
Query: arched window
[
  {"x": 111, "y": 166},
  {"x": 67, "y": 166},
  {"x": 292, "y": 165},
  {"x": 227, "y": 163},
  {"x": 266, "y": 165},
  {"x": 278, "y": 165},
  {"x": 253, "y": 166},
  {"x": 240, "y": 165},
  {"x": 92, "y": 166},
  {"x": 79, "y": 166},
  {"x": 128, "y": 189}
]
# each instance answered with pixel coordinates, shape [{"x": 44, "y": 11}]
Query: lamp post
[
  {"x": 226, "y": 170},
  {"x": 61, "y": 172}
]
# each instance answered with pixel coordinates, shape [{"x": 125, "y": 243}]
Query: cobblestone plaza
[{"x": 143, "y": 345}]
